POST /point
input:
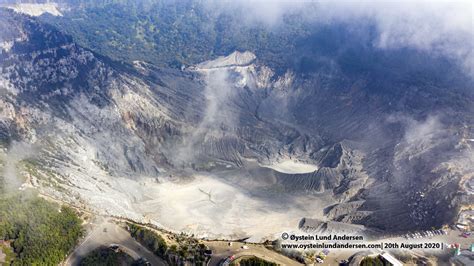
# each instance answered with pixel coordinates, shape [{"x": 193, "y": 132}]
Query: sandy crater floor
[
  {"x": 235, "y": 204},
  {"x": 210, "y": 207}
]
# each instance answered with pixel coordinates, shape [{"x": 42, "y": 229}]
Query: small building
[
  {"x": 390, "y": 260},
  {"x": 114, "y": 247},
  {"x": 466, "y": 258}
]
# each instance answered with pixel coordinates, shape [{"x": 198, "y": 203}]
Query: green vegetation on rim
[
  {"x": 186, "y": 249},
  {"x": 149, "y": 239},
  {"x": 254, "y": 261},
  {"x": 173, "y": 34},
  {"x": 40, "y": 232},
  {"x": 107, "y": 257},
  {"x": 372, "y": 261}
]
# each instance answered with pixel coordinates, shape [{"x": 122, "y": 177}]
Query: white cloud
[
  {"x": 443, "y": 28},
  {"x": 440, "y": 27}
]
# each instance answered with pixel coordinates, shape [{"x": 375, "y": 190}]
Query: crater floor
[{"x": 211, "y": 206}]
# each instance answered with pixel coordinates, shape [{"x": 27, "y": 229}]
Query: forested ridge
[
  {"x": 40, "y": 232},
  {"x": 183, "y": 33},
  {"x": 179, "y": 33}
]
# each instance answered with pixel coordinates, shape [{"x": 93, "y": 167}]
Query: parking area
[
  {"x": 224, "y": 249},
  {"x": 105, "y": 233}
]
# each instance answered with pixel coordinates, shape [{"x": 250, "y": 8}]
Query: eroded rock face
[{"x": 104, "y": 129}]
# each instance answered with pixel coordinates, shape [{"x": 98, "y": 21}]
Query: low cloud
[
  {"x": 443, "y": 28},
  {"x": 17, "y": 152}
]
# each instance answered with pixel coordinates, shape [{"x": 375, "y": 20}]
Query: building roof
[{"x": 391, "y": 259}]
